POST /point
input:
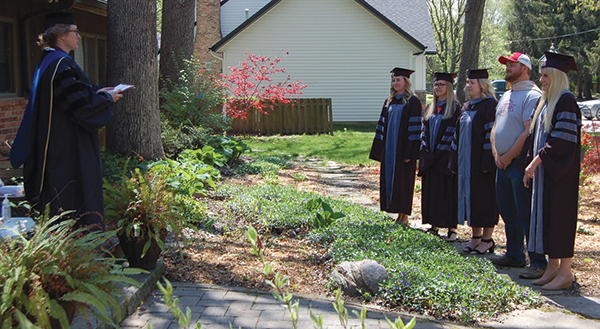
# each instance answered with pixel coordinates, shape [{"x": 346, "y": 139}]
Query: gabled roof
[
  {"x": 410, "y": 17},
  {"x": 403, "y": 16}
]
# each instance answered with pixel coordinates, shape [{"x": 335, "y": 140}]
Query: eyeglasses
[
  {"x": 76, "y": 31},
  {"x": 439, "y": 85}
]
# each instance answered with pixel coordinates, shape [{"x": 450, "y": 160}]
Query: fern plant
[
  {"x": 142, "y": 206},
  {"x": 56, "y": 267}
]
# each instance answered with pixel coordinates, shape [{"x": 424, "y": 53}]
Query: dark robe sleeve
[
  {"x": 425, "y": 154},
  {"x": 434, "y": 154},
  {"x": 378, "y": 146},
  {"x": 413, "y": 108},
  {"x": 79, "y": 98},
  {"x": 562, "y": 149},
  {"x": 488, "y": 115}
]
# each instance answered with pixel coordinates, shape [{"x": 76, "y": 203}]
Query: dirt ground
[{"x": 225, "y": 259}]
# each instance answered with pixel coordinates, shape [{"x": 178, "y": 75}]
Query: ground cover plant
[{"x": 427, "y": 275}]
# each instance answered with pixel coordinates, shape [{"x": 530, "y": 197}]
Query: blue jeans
[{"x": 514, "y": 203}]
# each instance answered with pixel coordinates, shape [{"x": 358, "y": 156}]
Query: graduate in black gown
[
  {"x": 396, "y": 146},
  {"x": 553, "y": 172},
  {"x": 474, "y": 162},
  {"x": 439, "y": 205},
  {"x": 58, "y": 138}
]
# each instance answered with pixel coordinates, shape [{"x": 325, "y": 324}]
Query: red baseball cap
[{"x": 516, "y": 57}]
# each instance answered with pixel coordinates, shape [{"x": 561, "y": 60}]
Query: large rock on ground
[{"x": 356, "y": 278}]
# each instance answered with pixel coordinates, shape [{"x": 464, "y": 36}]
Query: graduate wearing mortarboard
[
  {"x": 396, "y": 146},
  {"x": 58, "y": 138},
  {"x": 473, "y": 161},
  {"x": 553, "y": 171},
  {"x": 439, "y": 185}
]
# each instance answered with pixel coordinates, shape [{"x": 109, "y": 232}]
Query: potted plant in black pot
[
  {"x": 57, "y": 271},
  {"x": 142, "y": 209}
]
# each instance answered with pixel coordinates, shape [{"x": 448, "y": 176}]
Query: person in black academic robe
[
  {"x": 553, "y": 172},
  {"x": 439, "y": 185},
  {"x": 473, "y": 160},
  {"x": 58, "y": 137},
  {"x": 396, "y": 146}
]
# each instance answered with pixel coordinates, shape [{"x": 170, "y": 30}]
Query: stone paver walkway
[{"x": 218, "y": 307}]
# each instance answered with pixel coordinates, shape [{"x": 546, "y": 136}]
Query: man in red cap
[{"x": 513, "y": 117}]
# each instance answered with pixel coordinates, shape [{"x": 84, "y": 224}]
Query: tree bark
[
  {"x": 470, "y": 46},
  {"x": 177, "y": 38},
  {"x": 132, "y": 59}
]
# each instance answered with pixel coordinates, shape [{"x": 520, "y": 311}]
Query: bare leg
[
  {"x": 402, "y": 219},
  {"x": 551, "y": 272},
  {"x": 475, "y": 239},
  {"x": 452, "y": 235},
  {"x": 484, "y": 246},
  {"x": 563, "y": 278}
]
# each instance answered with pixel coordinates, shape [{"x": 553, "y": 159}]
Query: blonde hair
[
  {"x": 487, "y": 91},
  {"x": 559, "y": 82},
  {"x": 49, "y": 37},
  {"x": 408, "y": 93},
  {"x": 450, "y": 99}
]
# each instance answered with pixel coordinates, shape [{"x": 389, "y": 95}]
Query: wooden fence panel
[{"x": 302, "y": 116}]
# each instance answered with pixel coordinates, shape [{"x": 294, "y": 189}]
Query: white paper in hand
[{"x": 123, "y": 88}]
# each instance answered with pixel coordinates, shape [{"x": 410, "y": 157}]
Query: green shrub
[
  {"x": 177, "y": 139},
  {"x": 114, "y": 165},
  {"x": 194, "y": 99},
  {"x": 193, "y": 211},
  {"x": 188, "y": 175},
  {"x": 229, "y": 147}
]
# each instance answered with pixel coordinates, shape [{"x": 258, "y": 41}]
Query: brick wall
[
  {"x": 208, "y": 31},
  {"x": 11, "y": 112}
]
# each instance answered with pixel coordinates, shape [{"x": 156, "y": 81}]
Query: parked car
[
  {"x": 590, "y": 109},
  {"x": 500, "y": 87}
]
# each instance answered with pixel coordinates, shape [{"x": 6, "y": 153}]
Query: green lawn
[{"x": 349, "y": 145}]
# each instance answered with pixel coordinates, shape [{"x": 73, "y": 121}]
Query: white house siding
[{"x": 337, "y": 47}]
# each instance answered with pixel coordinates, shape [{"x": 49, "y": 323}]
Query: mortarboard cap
[
  {"x": 562, "y": 62},
  {"x": 445, "y": 76},
  {"x": 401, "y": 72},
  {"x": 477, "y": 74},
  {"x": 61, "y": 17}
]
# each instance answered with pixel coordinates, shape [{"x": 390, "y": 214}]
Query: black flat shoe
[
  {"x": 490, "y": 248},
  {"x": 468, "y": 249}
]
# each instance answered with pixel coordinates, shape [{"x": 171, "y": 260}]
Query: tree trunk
[
  {"x": 132, "y": 59},
  {"x": 177, "y": 38},
  {"x": 470, "y": 46}
]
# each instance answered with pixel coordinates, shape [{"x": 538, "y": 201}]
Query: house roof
[
  {"x": 403, "y": 16},
  {"x": 409, "y": 17}
]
